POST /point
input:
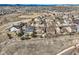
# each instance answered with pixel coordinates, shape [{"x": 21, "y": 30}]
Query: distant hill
[{"x": 39, "y": 4}]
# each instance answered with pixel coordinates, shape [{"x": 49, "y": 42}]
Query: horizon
[{"x": 39, "y": 4}]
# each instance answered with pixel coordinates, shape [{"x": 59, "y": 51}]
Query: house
[
  {"x": 28, "y": 29},
  {"x": 14, "y": 29}
]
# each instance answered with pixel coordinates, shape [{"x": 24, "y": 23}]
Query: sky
[{"x": 39, "y": 1}]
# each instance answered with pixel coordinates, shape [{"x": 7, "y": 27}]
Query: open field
[{"x": 52, "y": 29}]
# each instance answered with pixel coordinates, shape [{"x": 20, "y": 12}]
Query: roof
[
  {"x": 13, "y": 29},
  {"x": 29, "y": 29}
]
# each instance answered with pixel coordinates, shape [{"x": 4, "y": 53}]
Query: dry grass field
[{"x": 51, "y": 44}]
